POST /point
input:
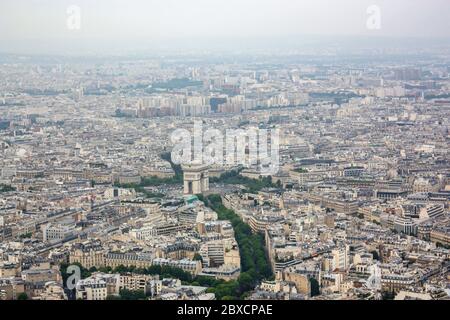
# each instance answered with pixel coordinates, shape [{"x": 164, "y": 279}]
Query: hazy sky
[{"x": 27, "y": 25}]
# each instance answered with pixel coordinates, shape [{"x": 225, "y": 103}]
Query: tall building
[{"x": 340, "y": 258}]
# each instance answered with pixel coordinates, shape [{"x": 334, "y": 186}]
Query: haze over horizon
[{"x": 40, "y": 26}]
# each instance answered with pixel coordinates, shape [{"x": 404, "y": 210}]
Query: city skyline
[{"x": 227, "y": 156}]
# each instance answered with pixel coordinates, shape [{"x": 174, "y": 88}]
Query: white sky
[{"x": 23, "y": 23}]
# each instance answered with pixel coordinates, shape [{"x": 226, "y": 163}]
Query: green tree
[
  {"x": 246, "y": 282},
  {"x": 126, "y": 294},
  {"x": 387, "y": 295},
  {"x": 375, "y": 255},
  {"x": 254, "y": 262},
  {"x": 22, "y": 296},
  {"x": 6, "y": 188},
  {"x": 105, "y": 269},
  {"x": 315, "y": 288},
  {"x": 197, "y": 257}
]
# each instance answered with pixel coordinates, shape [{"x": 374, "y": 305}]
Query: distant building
[
  {"x": 56, "y": 232},
  {"x": 441, "y": 235},
  {"x": 98, "y": 287}
]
